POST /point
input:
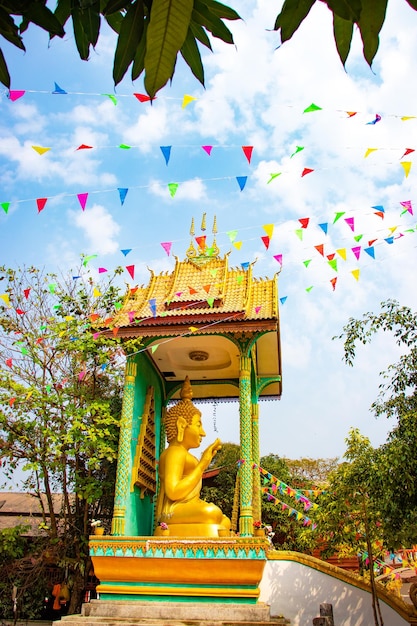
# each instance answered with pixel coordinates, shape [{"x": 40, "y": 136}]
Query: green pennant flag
[
  {"x": 273, "y": 176},
  {"x": 338, "y": 216},
  {"x": 308, "y": 289},
  {"x": 117, "y": 306},
  {"x": 358, "y": 237},
  {"x": 153, "y": 348},
  {"x": 124, "y": 146},
  {"x": 333, "y": 264},
  {"x": 299, "y": 233},
  {"x": 5, "y": 206},
  {"x": 307, "y": 262},
  {"x": 172, "y": 188},
  {"x": 210, "y": 302},
  {"x": 311, "y": 108}
]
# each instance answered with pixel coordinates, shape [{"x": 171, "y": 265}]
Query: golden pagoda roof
[{"x": 203, "y": 287}]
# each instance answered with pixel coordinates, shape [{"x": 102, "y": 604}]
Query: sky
[{"x": 256, "y": 95}]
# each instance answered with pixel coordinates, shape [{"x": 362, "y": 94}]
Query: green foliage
[
  {"x": 12, "y": 544},
  {"x": 151, "y": 33},
  {"x": 61, "y": 383}
]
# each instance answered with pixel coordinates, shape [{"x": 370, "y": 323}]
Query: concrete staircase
[{"x": 119, "y": 613}]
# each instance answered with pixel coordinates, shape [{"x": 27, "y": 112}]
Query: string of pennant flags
[{"x": 16, "y": 94}]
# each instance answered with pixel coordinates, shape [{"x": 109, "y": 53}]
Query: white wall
[{"x": 296, "y": 591}]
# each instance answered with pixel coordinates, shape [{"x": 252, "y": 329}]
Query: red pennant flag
[
  {"x": 331, "y": 256},
  {"x": 266, "y": 241},
  {"x": 9, "y": 362},
  {"x": 133, "y": 290},
  {"x": 247, "y": 151},
  {"x": 201, "y": 241},
  {"x": 41, "y": 203},
  {"x": 131, "y": 270},
  {"x": 304, "y": 221},
  {"x": 84, "y": 147},
  {"x": 407, "y": 151},
  {"x": 20, "y": 312},
  {"x": 82, "y": 199},
  {"x": 333, "y": 282},
  {"x": 26, "y": 292},
  {"x": 371, "y": 242},
  {"x": 305, "y": 171},
  {"x": 142, "y": 97},
  {"x": 320, "y": 249},
  {"x": 12, "y": 401}
]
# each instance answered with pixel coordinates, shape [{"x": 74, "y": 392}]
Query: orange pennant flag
[
  {"x": 333, "y": 282},
  {"x": 192, "y": 291},
  {"x": 320, "y": 249},
  {"x": 206, "y": 288}
]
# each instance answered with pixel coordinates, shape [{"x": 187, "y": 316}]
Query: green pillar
[
  {"x": 124, "y": 462},
  {"x": 246, "y": 514},
  {"x": 257, "y": 506}
]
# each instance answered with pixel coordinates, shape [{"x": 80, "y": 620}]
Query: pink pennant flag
[
  {"x": 266, "y": 241},
  {"x": 101, "y": 270},
  {"x": 247, "y": 151},
  {"x": 278, "y": 258},
  {"x": 350, "y": 221},
  {"x": 167, "y": 246},
  {"x": 131, "y": 270},
  {"x": 81, "y": 375},
  {"x": 407, "y": 205},
  {"x": 257, "y": 309},
  {"x": 305, "y": 171},
  {"x": 207, "y": 149},
  {"x": 41, "y": 203},
  {"x": 357, "y": 251},
  {"x": 131, "y": 315},
  {"x": 82, "y": 199},
  {"x": 15, "y": 95},
  {"x": 304, "y": 221}
]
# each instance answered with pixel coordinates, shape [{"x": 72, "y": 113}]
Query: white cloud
[{"x": 99, "y": 229}]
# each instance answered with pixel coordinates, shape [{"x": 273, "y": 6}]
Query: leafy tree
[
  {"x": 313, "y": 472},
  {"x": 349, "y": 515},
  {"x": 397, "y": 487},
  {"x": 151, "y": 33},
  {"x": 60, "y": 401}
]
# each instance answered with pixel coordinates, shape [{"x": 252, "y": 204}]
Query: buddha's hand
[{"x": 210, "y": 452}]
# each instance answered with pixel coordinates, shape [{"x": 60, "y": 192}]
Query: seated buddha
[{"x": 179, "y": 504}]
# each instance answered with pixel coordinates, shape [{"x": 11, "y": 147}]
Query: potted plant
[
  {"x": 258, "y": 529},
  {"x": 97, "y": 527},
  {"x": 164, "y": 528}
]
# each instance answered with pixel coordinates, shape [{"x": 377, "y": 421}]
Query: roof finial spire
[
  {"x": 192, "y": 228},
  {"x": 203, "y": 222},
  {"x": 214, "y": 231}
]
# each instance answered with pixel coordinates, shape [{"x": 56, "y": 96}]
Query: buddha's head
[{"x": 183, "y": 416}]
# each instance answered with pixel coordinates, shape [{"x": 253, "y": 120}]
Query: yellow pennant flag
[
  {"x": 408, "y": 117},
  {"x": 342, "y": 252},
  {"x": 237, "y": 245},
  {"x": 369, "y": 151},
  {"x": 406, "y": 166},
  {"x": 6, "y": 299},
  {"x": 269, "y": 229},
  {"x": 392, "y": 229},
  {"x": 96, "y": 292},
  {"x": 40, "y": 149},
  {"x": 355, "y": 274},
  {"x": 186, "y": 100},
  {"x": 192, "y": 329},
  {"x": 155, "y": 347}
]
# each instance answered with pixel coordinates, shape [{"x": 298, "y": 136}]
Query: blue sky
[{"x": 255, "y": 96}]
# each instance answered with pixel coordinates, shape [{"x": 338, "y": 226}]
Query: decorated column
[
  {"x": 124, "y": 465},
  {"x": 246, "y": 514},
  {"x": 257, "y": 511}
]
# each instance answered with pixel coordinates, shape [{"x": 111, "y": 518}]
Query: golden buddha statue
[{"x": 179, "y": 504}]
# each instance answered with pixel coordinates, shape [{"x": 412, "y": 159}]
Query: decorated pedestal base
[{"x": 177, "y": 569}]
